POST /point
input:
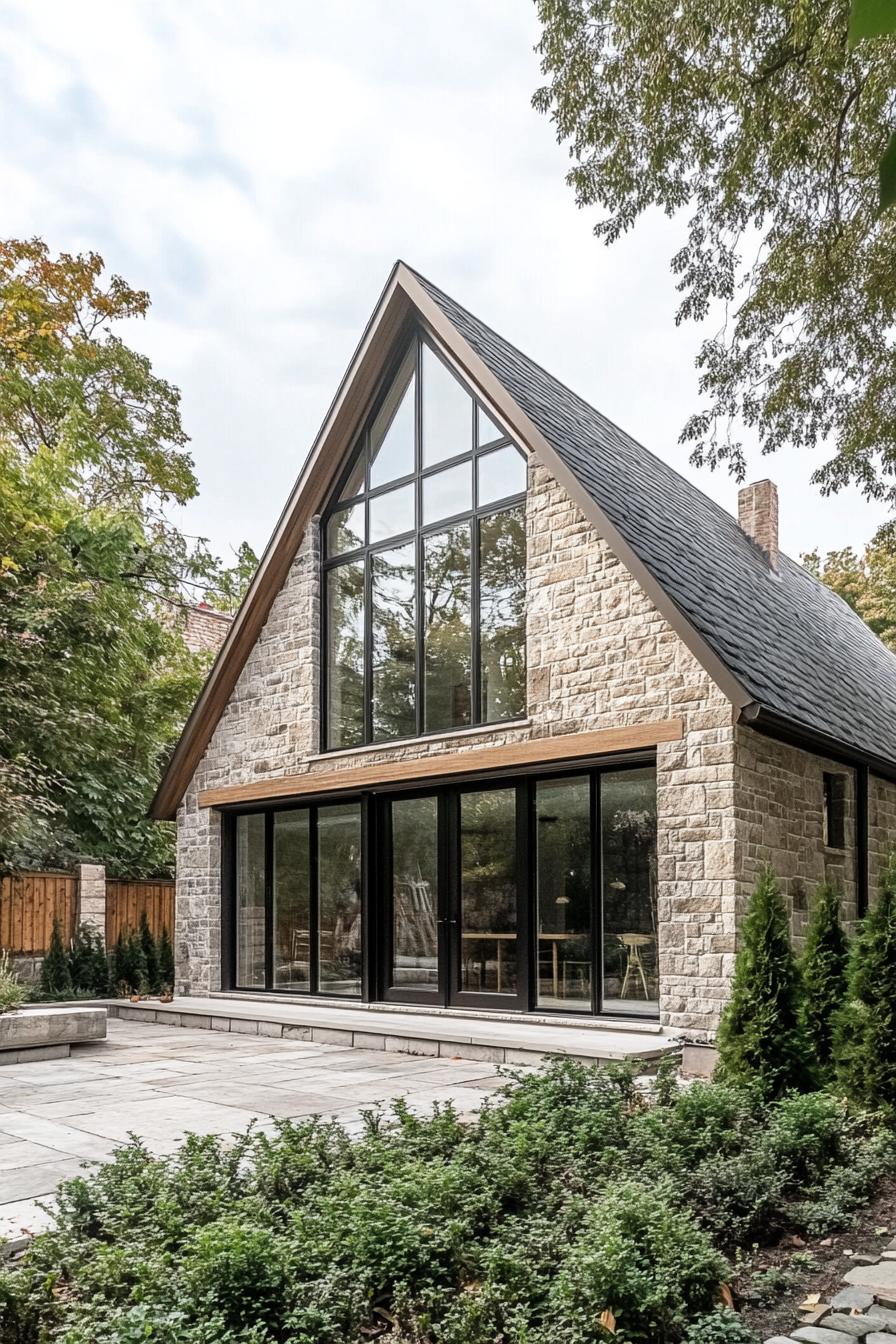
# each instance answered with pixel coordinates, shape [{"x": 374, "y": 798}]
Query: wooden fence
[
  {"x": 126, "y": 901},
  {"x": 29, "y": 903}
]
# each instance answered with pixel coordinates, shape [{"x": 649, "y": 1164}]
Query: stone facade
[
  {"x": 881, "y": 828},
  {"x": 780, "y": 821},
  {"x": 599, "y": 655}
]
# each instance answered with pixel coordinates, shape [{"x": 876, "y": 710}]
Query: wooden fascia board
[
  {"x": 448, "y": 764},
  {"x": 529, "y": 436},
  {"x": 321, "y": 465}
]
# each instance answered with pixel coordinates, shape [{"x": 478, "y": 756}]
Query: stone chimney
[{"x": 757, "y": 513}]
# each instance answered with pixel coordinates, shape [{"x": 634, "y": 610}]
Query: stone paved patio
[{"x": 163, "y": 1082}]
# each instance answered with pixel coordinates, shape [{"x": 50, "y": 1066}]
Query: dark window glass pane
[
  {"x": 486, "y": 429},
  {"x": 500, "y": 475},
  {"x": 563, "y": 885},
  {"x": 488, "y": 915},
  {"x": 447, "y": 412},
  {"x": 394, "y": 635},
  {"x": 415, "y": 882},
  {"x": 392, "y": 432},
  {"x": 345, "y": 530},
  {"x": 628, "y": 837},
  {"x": 448, "y": 492},
  {"x": 339, "y": 887},
  {"x": 292, "y": 900},
  {"x": 250, "y": 902},
  {"x": 354, "y": 484},
  {"x": 392, "y": 514},
  {"x": 446, "y": 633},
  {"x": 345, "y": 655},
  {"x": 502, "y": 614}
]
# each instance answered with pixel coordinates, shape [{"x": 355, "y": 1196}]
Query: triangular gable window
[{"x": 424, "y": 559}]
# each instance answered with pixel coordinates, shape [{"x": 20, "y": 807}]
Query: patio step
[{"x": 448, "y": 1034}]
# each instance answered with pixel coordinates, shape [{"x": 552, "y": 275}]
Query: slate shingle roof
[{"x": 796, "y": 647}]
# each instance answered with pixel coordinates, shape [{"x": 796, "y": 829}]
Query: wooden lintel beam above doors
[{"x": 444, "y": 764}]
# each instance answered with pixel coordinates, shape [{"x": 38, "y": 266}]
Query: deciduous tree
[{"x": 758, "y": 121}]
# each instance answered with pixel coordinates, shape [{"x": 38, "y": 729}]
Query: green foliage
[
  {"x": 55, "y": 974},
  {"x": 12, "y": 992},
  {"x": 130, "y": 971},
  {"x": 720, "y": 1327},
  {"x": 150, "y": 955},
  {"x": 166, "y": 960},
  {"x": 95, "y": 680},
  {"x": 761, "y": 1037},
  {"x": 765, "y": 130},
  {"x": 824, "y": 974},
  {"x": 572, "y": 1195},
  {"x": 80, "y": 971},
  {"x": 867, "y": 582},
  {"x": 866, "y": 1032}
]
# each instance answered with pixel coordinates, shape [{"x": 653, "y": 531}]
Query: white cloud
[{"x": 259, "y": 166}]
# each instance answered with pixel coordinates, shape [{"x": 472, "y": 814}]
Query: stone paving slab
[{"x": 161, "y": 1084}]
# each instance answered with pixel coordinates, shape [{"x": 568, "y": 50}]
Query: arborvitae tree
[
  {"x": 824, "y": 974},
  {"x": 55, "y": 977},
  {"x": 166, "y": 960},
  {"x": 762, "y": 1039},
  {"x": 99, "y": 969},
  {"x": 81, "y": 959},
  {"x": 136, "y": 963},
  {"x": 120, "y": 969},
  {"x": 865, "y": 1048},
  {"x": 150, "y": 954}
]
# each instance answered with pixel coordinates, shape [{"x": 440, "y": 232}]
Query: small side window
[{"x": 834, "y": 810}]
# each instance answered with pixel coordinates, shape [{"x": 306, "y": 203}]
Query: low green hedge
[{"x": 572, "y": 1204}]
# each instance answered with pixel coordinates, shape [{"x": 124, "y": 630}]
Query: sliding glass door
[
  {"x": 297, "y": 889},
  {"x": 537, "y": 893}
]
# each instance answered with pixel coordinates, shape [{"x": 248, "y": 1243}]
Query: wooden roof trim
[
  {"x": 402, "y": 297},
  {"x": 447, "y": 764},
  {"x": 320, "y": 467}
]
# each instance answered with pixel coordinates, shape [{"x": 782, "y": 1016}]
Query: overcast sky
[{"x": 259, "y": 166}]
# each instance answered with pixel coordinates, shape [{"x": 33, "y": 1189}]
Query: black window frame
[
  {"x": 834, "y": 809},
  {"x": 375, "y": 882},
  {"x": 473, "y": 516}
]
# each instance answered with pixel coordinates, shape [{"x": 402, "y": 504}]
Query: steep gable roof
[
  {"x": 783, "y": 648},
  {"x": 799, "y": 650}
]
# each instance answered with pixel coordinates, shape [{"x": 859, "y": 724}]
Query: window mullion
[{"x": 475, "y": 651}]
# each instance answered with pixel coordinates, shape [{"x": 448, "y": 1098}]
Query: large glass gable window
[{"x": 424, "y": 546}]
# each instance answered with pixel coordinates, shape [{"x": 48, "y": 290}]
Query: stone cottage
[{"x": 512, "y": 713}]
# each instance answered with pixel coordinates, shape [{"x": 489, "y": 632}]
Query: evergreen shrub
[
  {"x": 865, "y": 1045},
  {"x": 762, "y": 1039},
  {"x": 824, "y": 975}
]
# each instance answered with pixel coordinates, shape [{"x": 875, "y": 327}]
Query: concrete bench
[{"x": 48, "y": 1032}]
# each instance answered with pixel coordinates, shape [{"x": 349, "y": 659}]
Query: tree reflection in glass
[
  {"x": 292, "y": 900},
  {"x": 345, "y": 655},
  {"x": 414, "y": 863},
  {"x": 394, "y": 635},
  {"x": 628, "y": 834},
  {"x": 488, "y": 891},
  {"x": 339, "y": 895},
  {"x": 502, "y": 614},
  {"x": 446, "y": 629},
  {"x": 563, "y": 887},
  {"x": 250, "y": 919}
]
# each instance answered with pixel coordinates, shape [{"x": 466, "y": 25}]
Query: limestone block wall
[
  {"x": 780, "y": 821},
  {"x": 881, "y": 828},
  {"x": 599, "y": 655}
]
